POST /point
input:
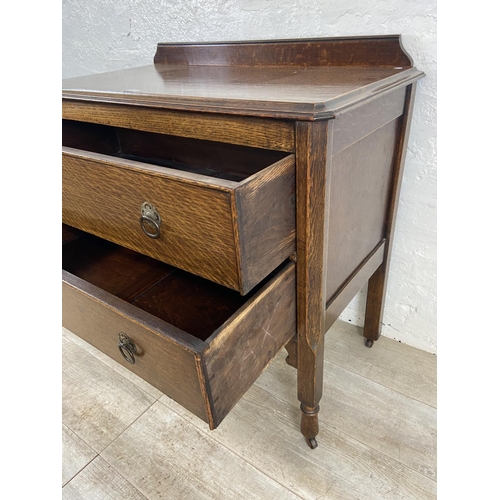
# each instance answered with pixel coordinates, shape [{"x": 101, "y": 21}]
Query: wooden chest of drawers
[{"x": 228, "y": 201}]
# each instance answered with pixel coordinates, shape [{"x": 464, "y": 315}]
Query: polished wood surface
[
  {"x": 326, "y": 77},
  {"x": 380, "y": 51},
  {"x": 249, "y": 131},
  {"x": 208, "y": 221},
  {"x": 312, "y": 158},
  {"x": 243, "y": 348},
  {"x": 359, "y": 186},
  {"x": 377, "y": 285},
  {"x": 202, "y": 344},
  {"x": 254, "y": 153},
  {"x": 209, "y": 158},
  {"x": 343, "y": 296}
]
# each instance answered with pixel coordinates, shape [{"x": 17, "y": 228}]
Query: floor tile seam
[
  {"x": 381, "y": 384},
  {"x": 122, "y": 476},
  {"x": 127, "y": 427},
  {"x": 344, "y": 433},
  {"x": 233, "y": 452},
  {"x": 83, "y": 468}
]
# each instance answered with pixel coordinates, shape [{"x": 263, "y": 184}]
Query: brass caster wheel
[
  {"x": 368, "y": 342},
  {"x": 312, "y": 443}
]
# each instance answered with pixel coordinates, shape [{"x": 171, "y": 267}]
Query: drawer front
[
  {"x": 206, "y": 377},
  {"x": 166, "y": 362},
  {"x": 104, "y": 197},
  {"x": 232, "y": 233}
]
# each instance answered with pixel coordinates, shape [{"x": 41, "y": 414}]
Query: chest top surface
[{"x": 296, "y": 79}]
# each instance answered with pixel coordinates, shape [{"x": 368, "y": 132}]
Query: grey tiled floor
[{"x": 123, "y": 439}]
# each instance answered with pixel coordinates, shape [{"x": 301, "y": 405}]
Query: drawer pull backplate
[
  {"x": 150, "y": 218},
  {"x": 127, "y": 348}
]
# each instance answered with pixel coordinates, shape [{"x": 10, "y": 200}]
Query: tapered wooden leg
[
  {"x": 291, "y": 348},
  {"x": 309, "y": 424},
  {"x": 311, "y": 164},
  {"x": 377, "y": 284},
  {"x": 310, "y": 387},
  {"x": 375, "y": 304}
]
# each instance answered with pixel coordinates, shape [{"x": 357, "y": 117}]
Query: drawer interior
[
  {"x": 210, "y": 158},
  {"x": 188, "y": 302}
]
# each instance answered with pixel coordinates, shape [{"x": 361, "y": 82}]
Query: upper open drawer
[{"x": 220, "y": 211}]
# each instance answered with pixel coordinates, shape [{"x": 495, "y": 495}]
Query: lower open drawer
[{"x": 198, "y": 342}]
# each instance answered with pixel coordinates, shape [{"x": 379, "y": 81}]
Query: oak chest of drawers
[{"x": 228, "y": 201}]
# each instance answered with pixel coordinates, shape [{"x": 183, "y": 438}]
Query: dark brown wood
[
  {"x": 213, "y": 159},
  {"x": 166, "y": 357},
  {"x": 363, "y": 120},
  {"x": 291, "y": 349},
  {"x": 70, "y": 234},
  {"x": 351, "y": 287},
  {"x": 254, "y": 132},
  {"x": 117, "y": 270},
  {"x": 201, "y": 344},
  {"x": 311, "y": 158},
  {"x": 265, "y": 207},
  {"x": 377, "y": 285},
  {"x": 198, "y": 223},
  {"x": 243, "y": 347},
  {"x": 380, "y": 51},
  {"x": 218, "y": 137},
  {"x": 304, "y": 80},
  {"x": 359, "y": 186}
]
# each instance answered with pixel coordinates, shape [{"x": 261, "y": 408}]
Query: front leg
[
  {"x": 310, "y": 387},
  {"x": 311, "y": 164}
]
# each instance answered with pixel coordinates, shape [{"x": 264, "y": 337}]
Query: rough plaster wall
[{"x": 104, "y": 35}]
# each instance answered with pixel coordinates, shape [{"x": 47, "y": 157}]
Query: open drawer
[
  {"x": 220, "y": 211},
  {"x": 198, "y": 342}
]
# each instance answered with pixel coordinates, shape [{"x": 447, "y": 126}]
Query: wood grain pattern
[
  {"x": 197, "y": 229},
  {"x": 254, "y": 132},
  {"x": 104, "y": 198},
  {"x": 359, "y": 186},
  {"x": 166, "y": 356},
  {"x": 362, "y": 120},
  {"x": 266, "y": 221},
  {"x": 196, "y": 341},
  {"x": 234, "y": 361},
  {"x": 297, "y": 79},
  {"x": 311, "y": 158},
  {"x": 292, "y": 93},
  {"x": 377, "y": 285},
  {"x": 382, "y": 51},
  {"x": 343, "y": 296}
]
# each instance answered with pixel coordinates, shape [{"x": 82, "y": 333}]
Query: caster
[
  {"x": 312, "y": 443},
  {"x": 368, "y": 342}
]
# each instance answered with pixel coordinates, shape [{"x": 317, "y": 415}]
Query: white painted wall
[{"x": 104, "y": 35}]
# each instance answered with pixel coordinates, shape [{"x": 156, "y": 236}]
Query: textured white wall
[{"x": 104, "y": 35}]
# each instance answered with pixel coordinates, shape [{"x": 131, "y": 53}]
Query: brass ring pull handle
[
  {"x": 150, "y": 218},
  {"x": 127, "y": 348}
]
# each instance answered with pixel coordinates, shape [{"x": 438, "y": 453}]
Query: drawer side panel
[
  {"x": 246, "y": 343},
  {"x": 266, "y": 209}
]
